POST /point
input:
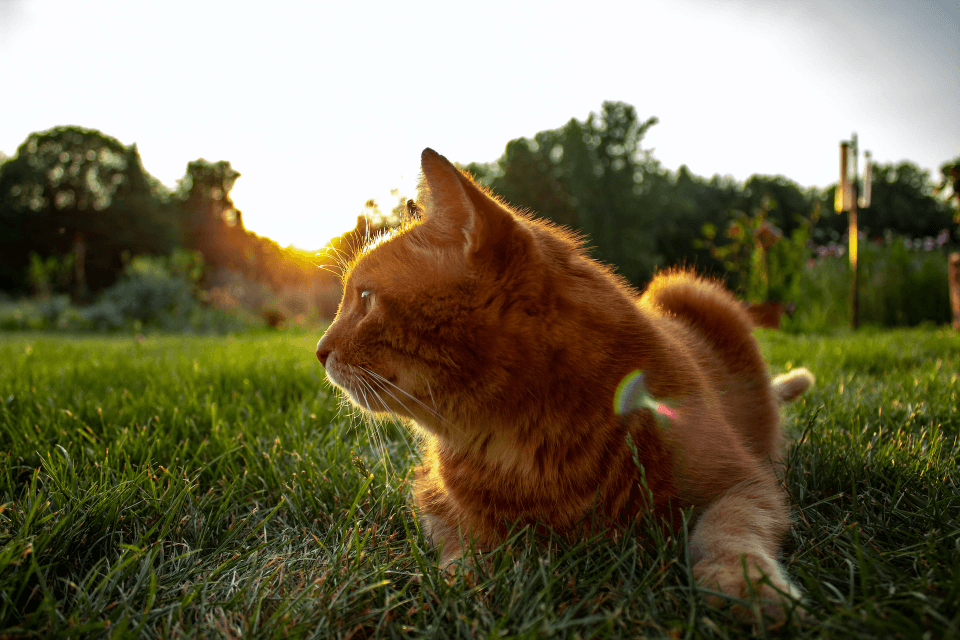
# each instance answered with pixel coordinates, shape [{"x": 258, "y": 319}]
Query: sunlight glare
[{"x": 314, "y": 225}]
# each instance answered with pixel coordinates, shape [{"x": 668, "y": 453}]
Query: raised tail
[{"x": 791, "y": 385}]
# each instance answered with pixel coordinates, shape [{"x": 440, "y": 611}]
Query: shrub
[
  {"x": 903, "y": 282},
  {"x": 152, "y": 293}
]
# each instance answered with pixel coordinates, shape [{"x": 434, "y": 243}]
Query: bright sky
[{"x": 323, "y": 105}]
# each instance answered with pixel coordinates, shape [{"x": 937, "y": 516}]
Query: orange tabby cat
[{"x": 504, "y": 343}]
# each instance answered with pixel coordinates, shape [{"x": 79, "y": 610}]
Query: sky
[{"x": 323, "y": 105}]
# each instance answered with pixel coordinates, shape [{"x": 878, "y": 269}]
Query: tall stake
[
  {"x": 847, "y": 199},
  {"x": 854, "y": 242}
]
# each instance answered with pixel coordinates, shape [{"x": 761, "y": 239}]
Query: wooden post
[
  {"x": 846, "y": 200},
  {"x": 855, "y": 271},
  {"x": 954, "y": 279}
]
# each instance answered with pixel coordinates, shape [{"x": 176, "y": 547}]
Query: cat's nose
[{"x": 322, "y": 354}]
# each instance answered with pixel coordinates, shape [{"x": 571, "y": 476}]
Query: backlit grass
[{"x": 215, "y": 487}]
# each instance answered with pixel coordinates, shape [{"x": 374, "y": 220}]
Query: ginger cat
[{"x": 504, "y": 343}]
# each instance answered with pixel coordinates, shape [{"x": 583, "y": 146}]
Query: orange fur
[{"x": 497, "y": 336}]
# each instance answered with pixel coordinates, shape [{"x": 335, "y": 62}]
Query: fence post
[{"x": 954, "y": 279}]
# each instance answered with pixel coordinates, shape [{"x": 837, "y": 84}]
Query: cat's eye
[{"x": 367, "y": 298}]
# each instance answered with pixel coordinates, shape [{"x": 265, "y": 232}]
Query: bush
[
  {"x": 44, "y": 313},
  {"x": 903, "y": 282},
  {"x": 162, "y": 293},
  {"x": 152, "y": 293},
  {"x": 289, "y": 306}
]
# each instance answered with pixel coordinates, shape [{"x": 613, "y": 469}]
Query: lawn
[{"x": 216, "y": 487}]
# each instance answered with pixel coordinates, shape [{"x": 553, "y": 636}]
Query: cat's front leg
[
  {"x": 436, "y": 513},
  {"x": 734, "y": 546}
]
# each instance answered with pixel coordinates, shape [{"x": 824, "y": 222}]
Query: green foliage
[
  {"x": 949, "y": 186},
  {"x": 153, "y": 293},
  {"x": 903, "y": 202},
  {"x": 46, "y": 276},
  {"x": 591, "y": 176},
  {"x": 75, "y": 196},
  {"x": 69, "y": 185},
  {"x": 902, "y": 283},
  {"x": 186, "y": 487},
  {"x": 765, "y": 263},
  {"x": 208, "y": 212},
  {"x": 154, "y": 290}
]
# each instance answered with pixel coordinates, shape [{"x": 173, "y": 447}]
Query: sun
[
  {"x": 306, "y": 226},
  {"x": 310, "y": 217}
]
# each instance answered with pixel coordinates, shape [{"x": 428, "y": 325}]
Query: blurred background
[{"x": 206, "y": 166}]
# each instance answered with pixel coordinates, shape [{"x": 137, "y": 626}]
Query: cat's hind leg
[{"x": 734, "y": 545}]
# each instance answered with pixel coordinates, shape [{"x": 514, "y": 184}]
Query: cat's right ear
[{"x": 448, "y": 211}]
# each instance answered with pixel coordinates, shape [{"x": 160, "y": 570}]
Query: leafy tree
[
  {"x": 591, "y": 176},
  {"x": 688, "y": 203},
  {"x": 211, "y": 222},
  {"x": 902, "y": 202},
  {"x": 950, "y": 184},
  {"x": 75, "y": 190},
  {"x": 214, "y": 226},
  {"x": 785, "y": 202}
]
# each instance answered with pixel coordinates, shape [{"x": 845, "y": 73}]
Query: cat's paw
[{"x": 756, "y": 581}]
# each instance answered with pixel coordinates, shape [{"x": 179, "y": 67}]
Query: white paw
[{"x": 755, "y": 580}]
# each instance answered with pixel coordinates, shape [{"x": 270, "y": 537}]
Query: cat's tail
[{"x": 791, "y": 385}]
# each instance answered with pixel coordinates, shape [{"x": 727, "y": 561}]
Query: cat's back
[{"x": 718, "y": 332}]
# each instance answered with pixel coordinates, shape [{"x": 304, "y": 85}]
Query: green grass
[{"x": 214, "y": 487}]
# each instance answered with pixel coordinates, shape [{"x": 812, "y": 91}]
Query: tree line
[
  {"x": 82, "y": 201},
  {"x": 594, "y": 175}
]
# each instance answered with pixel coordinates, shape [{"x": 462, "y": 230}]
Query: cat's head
[{"x": 436, "y": 316}]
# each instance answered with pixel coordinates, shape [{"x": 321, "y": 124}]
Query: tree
[
  {"x": 207, "y": 210},
  {"x": 591, "y": 176},
  {"x": 949, "y": 186},
  {"x": 902, "y": 202},
  {"x": 75, "y": 190}
]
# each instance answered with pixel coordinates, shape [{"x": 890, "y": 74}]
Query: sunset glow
[{"x": 321, "y": 106}]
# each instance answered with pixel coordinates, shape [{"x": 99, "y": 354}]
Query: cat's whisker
[
  {"x": 329, "y": 269},
  {"x": 436, "y": 409},
  {"x": 325, "y": 259},
  {"x": 404, "y": 433},
  {"x": 339, "y": 257},
  {"x": 433, "y": 411},
  {"x": 378, "y": 434},
  {"x": 390, "y": 393},
  {"x": 381, "y": 383}
]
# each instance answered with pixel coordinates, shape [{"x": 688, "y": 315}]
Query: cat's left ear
[{"x": 456, "y": 210}]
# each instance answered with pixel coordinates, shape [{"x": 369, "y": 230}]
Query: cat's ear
[
  {"x": 449, "y": 213},
  {"x": 456, "y": 210}
]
